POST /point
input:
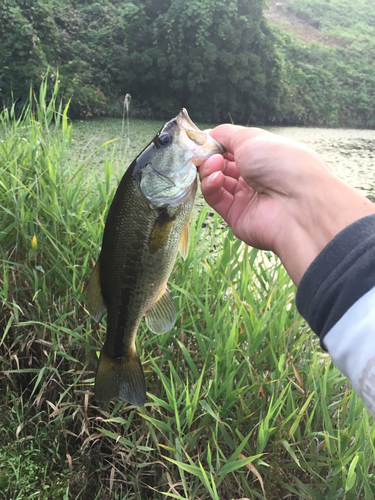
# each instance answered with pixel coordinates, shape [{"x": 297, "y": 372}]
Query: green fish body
[{"x": 147, "y": 223}]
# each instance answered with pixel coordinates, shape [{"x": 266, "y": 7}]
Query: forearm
[{"x": 317, "y": 220}]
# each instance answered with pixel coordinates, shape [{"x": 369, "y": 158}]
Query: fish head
[{"x": 167, "y": 172}]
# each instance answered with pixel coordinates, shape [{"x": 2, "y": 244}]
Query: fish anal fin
[
  {"x": 184, "y": 241},
  {"x": 120, "y": 378},
  {"x": 162, "y": 315},
  {"x": 94, "y": 296},
  {"x": 160, "y": 232}
]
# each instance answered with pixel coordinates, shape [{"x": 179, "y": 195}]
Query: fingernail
[{"x": 212, "y": 177}]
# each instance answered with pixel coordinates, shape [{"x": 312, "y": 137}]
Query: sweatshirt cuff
[{"x": 342, "y": 273}]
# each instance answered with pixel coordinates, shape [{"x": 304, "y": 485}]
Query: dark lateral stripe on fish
[{"x": 117, "y": 344}]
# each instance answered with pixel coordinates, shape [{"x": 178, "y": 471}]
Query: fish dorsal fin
[
  {"x": 184, "y": 241},
  {"x": 162, "y": 315},
  {"x": 160, "y": 232},
  {"x": 94, "y": 297}
]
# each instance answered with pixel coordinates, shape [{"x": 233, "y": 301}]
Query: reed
[{"x": 242, "y": 403}]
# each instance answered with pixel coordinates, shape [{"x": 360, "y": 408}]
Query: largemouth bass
[{"x": 147, "y": 223}]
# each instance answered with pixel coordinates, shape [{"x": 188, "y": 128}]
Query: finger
[
  {"x": 229, "y": 156},
  {"x": 216, "y": 195},
  {"x": 213, "y": 164},
  {"x": 228, "y": 183},
  {"x": 233, "y": 136},
  {"x": 217, "y": 163}
]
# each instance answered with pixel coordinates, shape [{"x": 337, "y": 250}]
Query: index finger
[
  {"x": 217, "y": 163},
  {"x": 233, "y": 136}
]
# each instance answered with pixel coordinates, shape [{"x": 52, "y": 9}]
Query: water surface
[{"x": 350, "y": 153}]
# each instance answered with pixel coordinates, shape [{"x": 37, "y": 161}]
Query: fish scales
[
  {"x": 141, "y": 275},
  {"x": 146, "y": 225}
]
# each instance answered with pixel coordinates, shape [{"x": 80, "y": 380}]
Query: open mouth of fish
[{"x": 205, "y": 145}]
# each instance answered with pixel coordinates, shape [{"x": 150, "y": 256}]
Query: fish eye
[{"x": 165, "y": 139}]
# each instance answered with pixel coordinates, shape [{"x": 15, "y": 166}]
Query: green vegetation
[
  {"x": 221, "y": 60},
  {"x": 166, "y": 54},
  {"x": 329, "y": 82},
  {"x": 242, "y": 403}
]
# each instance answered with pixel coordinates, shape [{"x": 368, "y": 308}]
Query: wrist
[{"x": 317, "y": 220}]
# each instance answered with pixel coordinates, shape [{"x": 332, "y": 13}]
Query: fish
[{"x": 147, "y": 224}]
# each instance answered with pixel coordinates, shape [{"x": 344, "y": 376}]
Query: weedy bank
[{"x": 242, "y": 403}]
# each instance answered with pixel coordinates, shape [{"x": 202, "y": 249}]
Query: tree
[
  {"x": 22, "y": 58},
  {"x": 214, "y": 57}
]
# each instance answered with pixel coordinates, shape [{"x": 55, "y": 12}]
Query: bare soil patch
[{"x": 277, "y": 13}]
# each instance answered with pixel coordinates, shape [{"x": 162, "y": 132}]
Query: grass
[
  {"x": 242, "y": 403},
  {"x": 128, "y": 141}
]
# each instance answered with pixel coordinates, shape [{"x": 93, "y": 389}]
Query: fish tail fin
[{"x": 120, "y": 378}]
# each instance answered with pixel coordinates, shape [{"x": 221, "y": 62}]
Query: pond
[{"x": 350, "y": 153}]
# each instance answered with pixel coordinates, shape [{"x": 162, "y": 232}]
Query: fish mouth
[
  {"x": 188, "y": 120},
  {"x": 203, "y": 145}
]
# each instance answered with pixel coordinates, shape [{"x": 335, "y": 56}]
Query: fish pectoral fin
[
  {"x": 160, "y": 232},
  {"x": 184, "y": 241},
  {"x": 120, "y": 378},
  {"x": 162, "y": 315},
  {"x": 94, "y": 296}
]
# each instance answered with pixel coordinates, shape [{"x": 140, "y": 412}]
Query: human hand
[{"x": 279, "y": 195}]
